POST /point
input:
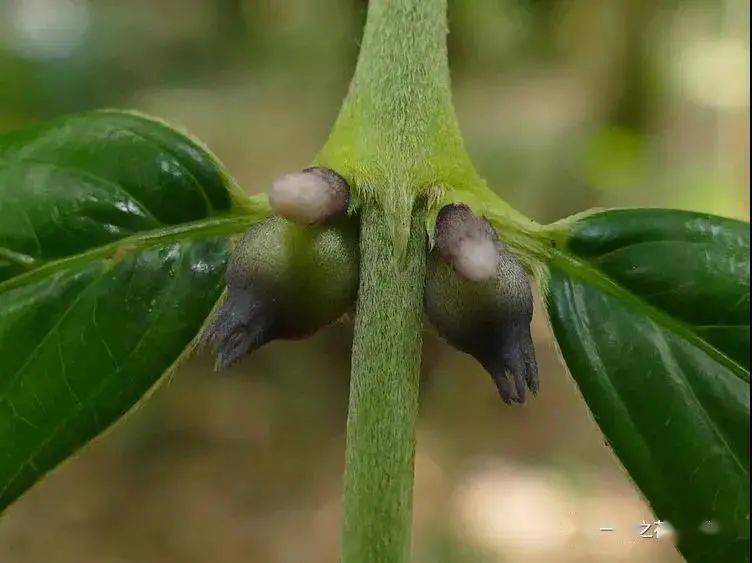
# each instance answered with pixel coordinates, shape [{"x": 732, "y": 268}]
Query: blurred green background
[{"x": 564, "y": 105}]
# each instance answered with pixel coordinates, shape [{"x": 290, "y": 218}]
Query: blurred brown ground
[{"x": 565, "y": 105}]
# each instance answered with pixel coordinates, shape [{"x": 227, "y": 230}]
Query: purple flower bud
[{"x": 489, "y": 319}]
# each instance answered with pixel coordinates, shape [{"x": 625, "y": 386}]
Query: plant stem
[
  {"x": 397, "y": 142},
  {"x": 383, "y": 394},
  {"x": 396, "y": 137}
]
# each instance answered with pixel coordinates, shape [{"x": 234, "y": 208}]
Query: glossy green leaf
[
  {"x": 651, "y": 311},
  {"x": 113, "y": 245}
]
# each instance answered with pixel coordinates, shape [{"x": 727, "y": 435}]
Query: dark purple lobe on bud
[
  {"x": 509, "y": 358},
  {"x": 488, "y": 319},
  {"x": 242, "y": 324}
]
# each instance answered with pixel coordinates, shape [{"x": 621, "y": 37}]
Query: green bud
[
  {"x": 284, "y": 281},
  {"x": 489, "y": 319}
]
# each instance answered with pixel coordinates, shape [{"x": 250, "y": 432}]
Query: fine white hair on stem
[
  {"x": 311, "y": 197},
  {"x": 467, "y": 243}
]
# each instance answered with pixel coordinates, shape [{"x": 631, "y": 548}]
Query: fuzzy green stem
[
  {"x": 397, "y": 136},
  {"x": 383, "y": 394},
  {"x": 397, "y": 143},
  {"x": 394, "y": 136}
]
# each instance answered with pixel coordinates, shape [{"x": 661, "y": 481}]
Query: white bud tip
[
  {"x": 476, "y": 259},
  {"x": 309, "y": 197},
  {"x": 467, "y": 243}
]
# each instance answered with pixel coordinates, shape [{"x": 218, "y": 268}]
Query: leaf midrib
[
  {"x": 586, "y": 271},
  {"x": 203, "y": 228}
]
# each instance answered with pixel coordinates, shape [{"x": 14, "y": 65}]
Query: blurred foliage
[{"x": 564, "y": 104}]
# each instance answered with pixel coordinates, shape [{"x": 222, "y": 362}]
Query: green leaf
[
  {"x": 651, "y": 311},
  {"x": 113, "y": 245}
]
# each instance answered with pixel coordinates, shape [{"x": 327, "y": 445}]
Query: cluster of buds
[{"x": 297, "y": 271}]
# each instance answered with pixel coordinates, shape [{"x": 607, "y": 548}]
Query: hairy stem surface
[
  {"x": 395, "y": 137},
  {"x": 383, "y": 394}
]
